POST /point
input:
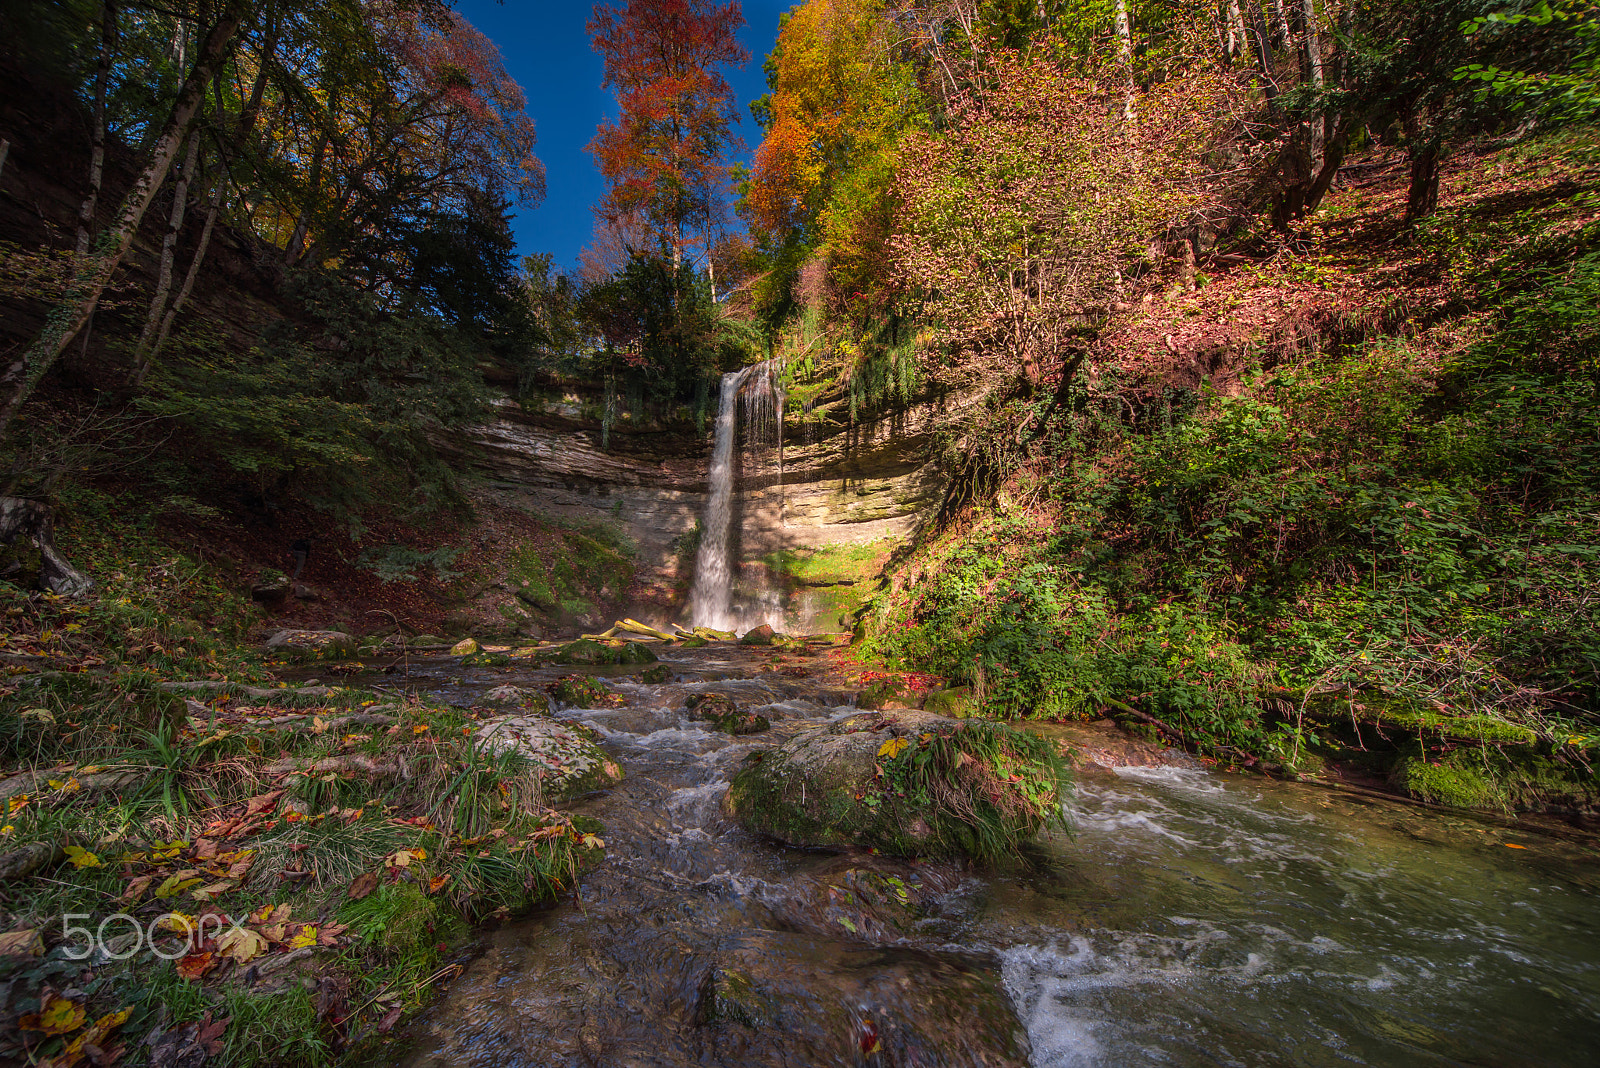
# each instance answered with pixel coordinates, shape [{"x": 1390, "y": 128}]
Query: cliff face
[{"x": 839, "y": 484}]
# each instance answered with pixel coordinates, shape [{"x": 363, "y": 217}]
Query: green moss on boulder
[
  {"x": 909, "y": 783},
  {"x": 588, "y": 651}
]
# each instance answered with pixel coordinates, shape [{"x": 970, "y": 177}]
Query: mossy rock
[
  {"x": 426, "y": 639},
  {"x": 485, "y": 659},
  {"x": 908, "y": 783},
  {"x": 656, "y": 675},
  {"x": 312, "y": 644},
  {"x": 1513, "y": 778},
  {"x": 581, "y": 691},
  {"x": 465, "y": 647},
  {"x": 956, "y": 702},
  {"x": 588, "y": 651},
  {"x": 566, "y": 757},
  {"x": 695, "y": 642},
  {"x": 886, "y": 694},
  {"x": 728, "y": 996},
  {"x": 725, "y": 715}
]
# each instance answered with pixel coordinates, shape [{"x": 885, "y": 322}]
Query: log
[{"x": 20, "y": 863}]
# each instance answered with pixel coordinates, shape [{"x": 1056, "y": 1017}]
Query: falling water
[{"x": 756, "y": 390}]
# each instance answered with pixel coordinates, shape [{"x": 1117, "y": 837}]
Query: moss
[
  {"x": 905, "y": 783},
  {"x": 955, "y": 702},
  {"x": 656, "y": 675},
  {"x": 581, "y": 691},
  {"x": 1449, "y": 784},
  {"x": 728, "y": 996},
  {"x": 587, "y": 651}
]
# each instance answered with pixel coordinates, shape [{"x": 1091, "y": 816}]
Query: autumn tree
[
  {"x": 665, "y": 157},
  {"x": 841, "y": 98}
]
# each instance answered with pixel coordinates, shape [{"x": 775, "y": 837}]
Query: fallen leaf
[
  {"x": 177, "y": 923},
  {"x": 262, "y": 803},
  {"x": 237, "y": 869},
  {"x": 362, "y": 885},
  {"x": 56, "y": 1016},
  {"x": 81, "y": 857},
  {"x": 136, "y": 888},
  {"x": 437, "y": 883},
  {"x": 209, "y": 1037},
  {"x": 593, "y": 842},
  {"x": 204, "y": 849},
  {"x": 420, "y": 728},
  {"x": 25, "y": 943},
  {"x": 390, "y": 1018},
  {"x": 281, "y": 913},
  {"x": 177, "y": 883},
  {"x": 194, "y": 965},
  {"x": 329, "y": 933},
  {"x": 206, "y": 893},
  {"x": 1513, "y": 845},
  {"x": 892, "y": 747},
  {"x": 241, "y": 945}
]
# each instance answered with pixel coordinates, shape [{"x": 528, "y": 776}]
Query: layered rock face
[{"x": 838, "y": 484}]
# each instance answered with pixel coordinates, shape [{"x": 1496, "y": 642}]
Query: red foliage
[{"x": 665, "y": 157}]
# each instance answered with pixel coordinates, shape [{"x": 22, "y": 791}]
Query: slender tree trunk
[
  {"x": 302, "y": 226},
  {"x": 169, "y": 253},
  {"x": 1237, "y": 34},
  {"x": 1260, "y": 37},
  {"x": 1125, "y": 49},
  {"x": 19, "y": 379},
  {"x": 1423, "y": 147},
  {"x": 97, "y": 149},
  {"x": 1280, "y": 25},
  {"x": 219, "y": 188}
]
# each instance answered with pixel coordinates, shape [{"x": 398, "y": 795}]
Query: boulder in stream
[
  {"x": 565, "y": 756},
  {"x": 725, "y": 715},
  {"x": 908, "y": 783},
  {"x": 761, "y": 635},
  {"x": 312, "y": 644},
  {"x": 588, "y": 651}
]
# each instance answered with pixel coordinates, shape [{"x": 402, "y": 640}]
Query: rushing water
[
  {"x": 757, "y": 391},
  {"x": 1192, "y": 919}
]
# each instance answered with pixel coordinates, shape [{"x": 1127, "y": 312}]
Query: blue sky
[{"x": 547, "y": 51}]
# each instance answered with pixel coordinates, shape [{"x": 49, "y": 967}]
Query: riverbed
[{"x": 1188, "y": 918}]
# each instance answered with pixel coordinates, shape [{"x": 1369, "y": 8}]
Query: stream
[{"x": 1190, "y": 918}]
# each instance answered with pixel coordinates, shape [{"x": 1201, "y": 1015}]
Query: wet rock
[
  {"x": 761, "y": 635},
  {"x": 907, "y": 783},
  {"x": 302, "y": 592},
  {"x": 582, "y": 691},
  {"x": 724, "y": 714},
  {"x": 587, "y": 651},
  {"x": 887, "y": 694},
  {"x": 465, "y": 647},
  {"x": 506, "y": 695},
  {"x": 312, "y": 644},
  {"x": 695, "y": 642},
  {"x": 728, "y": 996},
  {"x": 564, "y": 756},
  {"x": 656, "y": 675}
]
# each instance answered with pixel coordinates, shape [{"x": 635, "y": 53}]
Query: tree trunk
[
  {"x": 22, "y": 518},
  {"x": 97, "y": 149},
  {"x": 93, "y": 273},
  {"x": 1237, "y": 34},
  {"x": 1422, "y": 196},
  {"x": 169, "y": 253},
  {"x": 1125, "y": 49},
  {"x": 1280, "y": 25}
]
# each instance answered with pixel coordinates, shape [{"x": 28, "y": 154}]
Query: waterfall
[{"x": 757, "y": 391}]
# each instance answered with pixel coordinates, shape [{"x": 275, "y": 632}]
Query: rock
[
  {"x": 303, "y": 592},
  {"x": 956, "y": 702},
  {"x": 728, "y": 996},
  {"x": 582, "y": 691},
  {"x": 312, "y": 644},
  {"x": 714, "y": 635},
  {"x": 724, "y": 714},
  {"x": 505, "y": 695},
  {"x": 695, "y": 642},
  {"x": 656, "y": 675},
  {"x": 564, "y": 756},
  {"x": 886, "y": 694},
  {"x": 465, "y": 647},
  {"x": 270, "y": 592},
  {"x": 761, "y": 635},
  {"x": 588, "y": 651},
  {"x": 427, "y": 639},
  {"x": 908, "y": 783}
]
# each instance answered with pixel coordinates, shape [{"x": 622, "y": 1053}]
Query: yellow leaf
[
  {"x": 177, "y": 883},
  {"x": 81, "y": 857},
  {"x": 206, "y": 893},
  {"x": 17, "y": 803},
  {"x": 419, "y": 728},
  {"x": 318, "y": 724},
  {"x": 176, "y": 922},
  {"x": 592, "y": 842},
  {"x": 242, "y": 945},
  {"x": 892, "y": 747},
  {"x": 26, "y": 943},
  {"x": 56, "y": 1016},
  {"x": 306, "y": 937}
]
